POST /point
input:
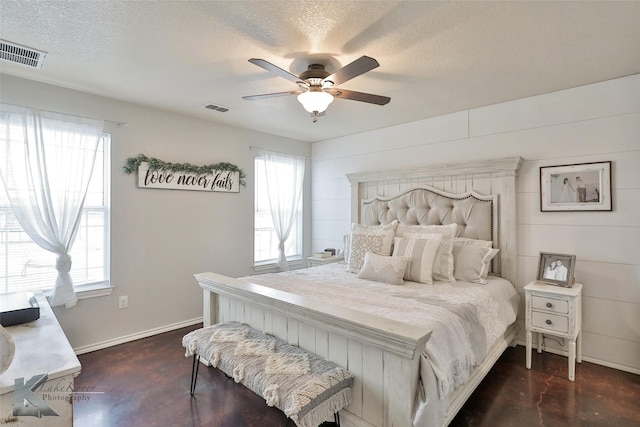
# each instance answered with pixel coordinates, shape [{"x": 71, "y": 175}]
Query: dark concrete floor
[
  {"x": 512, "y": 395},
  {"x": 146, "y": 383}
]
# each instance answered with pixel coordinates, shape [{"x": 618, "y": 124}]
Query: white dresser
[
  {"x": 557, "y": 311},
  {"x": 41, "y": 349}
]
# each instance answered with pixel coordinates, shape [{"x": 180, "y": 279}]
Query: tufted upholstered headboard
[
  {"x": 464, "y": 193},
  {"x": 473, "y": 213}
]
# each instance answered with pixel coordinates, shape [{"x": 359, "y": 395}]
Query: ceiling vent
[
  {"x": 19, "y": 54},
  {"x": 216, "y": 108}
]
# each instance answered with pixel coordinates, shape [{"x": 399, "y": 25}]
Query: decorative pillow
[
  {"x": 473, "y": 242},
  {"x": 347, "y": 237},
  {"x": 385, "y": 269},
  {"x": 390, "y": 226},
  {"x": 443, "y": 262},
  {"x": 421, "y": 254},
  {"x": 472, "y": 263},
  {"x": 363, "y": 241}
]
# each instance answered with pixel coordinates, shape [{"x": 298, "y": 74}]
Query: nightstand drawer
[
  {"x": 549, "y": 304},
  {"x": 552, "y": 322}
]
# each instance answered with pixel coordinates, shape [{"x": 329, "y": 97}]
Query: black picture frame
[{"x": 577, "y": 187}]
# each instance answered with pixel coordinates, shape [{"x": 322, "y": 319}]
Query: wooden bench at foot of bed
[
  {"x": 306, "y": 387},
  {"x": 382, "y": 354}
]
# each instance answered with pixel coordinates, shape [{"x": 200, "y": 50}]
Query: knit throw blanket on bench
[{"x": 306, "y": 387}]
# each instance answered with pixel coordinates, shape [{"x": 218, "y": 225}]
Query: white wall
[
  {"x": 159, "y": 238},
  {"x": 592, "y": 123}
]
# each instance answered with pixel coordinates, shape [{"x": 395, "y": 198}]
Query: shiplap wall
[{"x": 586, "y": 124}]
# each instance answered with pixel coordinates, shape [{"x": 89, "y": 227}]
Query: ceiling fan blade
[
  {"x": 360, "y": 96},
  {"x": 270, "y": 95},
  {"x": 274, "y": 69},
  {"x": 354, "y": 69}
]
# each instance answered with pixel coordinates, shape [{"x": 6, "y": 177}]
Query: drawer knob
[
  {"x": 549, "y": 305},
  {"x": 548, "y": 322}
]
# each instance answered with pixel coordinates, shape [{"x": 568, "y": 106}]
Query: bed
[{"x": 394, "y": 358}]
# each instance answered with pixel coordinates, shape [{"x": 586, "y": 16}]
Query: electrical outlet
[{"x": 123, "y": 302}]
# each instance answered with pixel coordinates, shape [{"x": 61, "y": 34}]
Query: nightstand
[
  {"x": 314, "y": 262},
  {"x": 554, "y": 310}
]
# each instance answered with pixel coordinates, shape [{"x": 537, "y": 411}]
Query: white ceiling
[{"x": 435, "y": 57}]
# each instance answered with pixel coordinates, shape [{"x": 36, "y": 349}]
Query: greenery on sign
[{"x": 133, "y": 163}]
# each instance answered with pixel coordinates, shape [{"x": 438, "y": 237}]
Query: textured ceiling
[{"x": 435, "y": 57}]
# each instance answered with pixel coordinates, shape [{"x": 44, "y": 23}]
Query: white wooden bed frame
[{"x": 384, "y": 355}]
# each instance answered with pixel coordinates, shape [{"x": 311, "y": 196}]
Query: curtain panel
[
  {"x": 46, "y": 162},
  {"x": 284, "y": 179}
]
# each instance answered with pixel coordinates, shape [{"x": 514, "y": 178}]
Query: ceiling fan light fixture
[
  {"x": 317, "y": 87},
  {"x": 315, "y": 100}
]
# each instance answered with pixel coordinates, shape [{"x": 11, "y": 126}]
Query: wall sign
[
  {"x": 154, "y": 173},
  {"x": 224, "y": 181}
]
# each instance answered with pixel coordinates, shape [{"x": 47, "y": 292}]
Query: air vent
[
  {"x": 216, "y": 108},
  {"x": 19, "y": 54}
]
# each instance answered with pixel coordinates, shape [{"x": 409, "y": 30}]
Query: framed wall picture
[
  {"x": 556, "y": 269},
  {"x": 579, "y": 187}
]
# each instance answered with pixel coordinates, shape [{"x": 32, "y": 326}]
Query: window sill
[
  {"x": 93, "y": 291},
  {"x": 88, "y": 291}
]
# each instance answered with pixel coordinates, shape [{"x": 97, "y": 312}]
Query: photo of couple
[
  {"x": 574, "y": 189},
  {"x": 555, "y": 271}
]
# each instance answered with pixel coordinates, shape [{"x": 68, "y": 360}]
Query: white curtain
[
  {"x": 46, "y": 162},
  {"x": 284, "y": 179}
]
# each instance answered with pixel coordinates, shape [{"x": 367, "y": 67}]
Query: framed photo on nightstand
[{"x": 556, "y": 269}]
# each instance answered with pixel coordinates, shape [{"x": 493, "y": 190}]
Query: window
[
  {"x": 26, "y": 266},
  {"x": 265, "y": 236}
]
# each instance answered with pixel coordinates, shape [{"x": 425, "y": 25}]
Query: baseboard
[
  {"x": 137, "y": 336},
  {"x": 347, "y": 419},
  {"x": 613, "y": 365}
]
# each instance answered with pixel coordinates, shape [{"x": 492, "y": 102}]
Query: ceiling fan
[{"x": 317, "y": 88}]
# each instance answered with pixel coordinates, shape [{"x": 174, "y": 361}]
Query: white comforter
[{"x": 466, "y": 318}]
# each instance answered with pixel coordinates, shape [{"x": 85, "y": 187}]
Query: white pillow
[
  {"x": 479, "y": 243},
  {"x": 365, "y": 240},
  {"x": 443, "y": 262},
  {"x": 487, "y": 262},
  {"x": 472, "y": 263},
  {"x": 474, "y": 242},
  {"x": 390, "y": 226},
  {"x": 385, "y": 269},
  {"x": 421, "y": 253}
]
